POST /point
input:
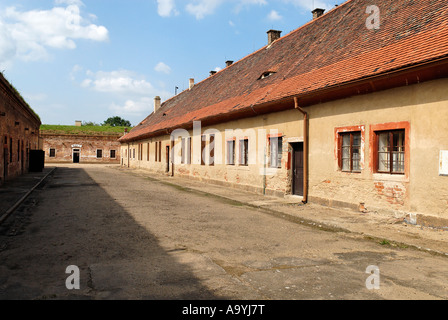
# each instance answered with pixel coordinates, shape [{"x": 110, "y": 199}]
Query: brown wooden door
[
  {"x": 297, "y": 169},
  {"x": 167, "y": 158}
]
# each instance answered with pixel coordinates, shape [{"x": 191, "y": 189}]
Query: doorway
[
  {"x": 167, "y": 159},
  {"x": 297, "y": 168},
  {"x": 76, "y": 155}
]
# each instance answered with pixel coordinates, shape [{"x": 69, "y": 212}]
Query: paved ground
[{"x": 134, "y": 235}]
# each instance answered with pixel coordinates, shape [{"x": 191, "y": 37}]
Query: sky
[{"x": 89, "y": 60}]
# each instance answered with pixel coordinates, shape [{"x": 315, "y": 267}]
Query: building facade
[
  {"x": 79, "y": 144},
  {"x": 337, "y": 112},
  {"x": 19, "y": 127}
]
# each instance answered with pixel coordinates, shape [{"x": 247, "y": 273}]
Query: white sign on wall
[
  {"x": 443, "y": 165},
  {"x": 76, "y": 146}
]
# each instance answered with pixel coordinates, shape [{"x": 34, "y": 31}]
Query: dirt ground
[{"x": 133, "y": 237}]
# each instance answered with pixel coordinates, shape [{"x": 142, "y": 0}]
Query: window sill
[
  {"x": 356, "y": 172},
  {"x": 390, "y": 177}
]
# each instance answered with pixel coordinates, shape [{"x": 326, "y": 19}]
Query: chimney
[
  {"x": 156, "y": 103},
  {"x": 317, "y": 13},
  {"x": 191, "y": 83},
  {"x": 78, "y": 123},
  {"x": 229, "y": 63},
  {"x": 273, "y": 35}
]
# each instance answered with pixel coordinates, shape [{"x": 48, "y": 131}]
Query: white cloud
[
  {"x": 201, "y": 8},
  {"x": 31, "y": 33},
  {"x": 162, "y": 67},
  {"x": 35, "y": 97},
  {"x": 274, "y": 16},
  {"x": 8, "y": 47},
  {"x": 142, "y": 106},
  {"x": 310, "y": 5},
  {"x": 70, "y": 2},
  {"x": 166, "y": 8},
  {"x": 246, "y": 3},
  {"x": 119, "y": 82}
]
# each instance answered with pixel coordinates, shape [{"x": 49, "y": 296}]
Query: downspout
[{"x": 305, "y": 149}]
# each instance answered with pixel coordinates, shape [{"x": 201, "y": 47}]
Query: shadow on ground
[{"x": 71, "y": 220}]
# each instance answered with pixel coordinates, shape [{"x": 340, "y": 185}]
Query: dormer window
[{"x": 266, "y": 74}]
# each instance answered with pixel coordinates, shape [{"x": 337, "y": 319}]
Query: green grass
[{"x": 62, "y": 129}]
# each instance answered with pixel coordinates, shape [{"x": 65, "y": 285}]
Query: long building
[
  {"x": 350, "y": 109},
  {"x": 19, "y": 127}
]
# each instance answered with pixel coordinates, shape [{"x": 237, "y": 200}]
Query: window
[
  {"x": 133, "y": 153},
  {"x": 99, "y": 153},
  {"x": 52, "y": 153},
  {"x": 391, "y": 151},
  {"x": 140, "y": 151},
  {"x": 188, "y": 150},
  {"x": 182, "y": 151},
  {"x": 244, "y": 148},
  {"x": 147, "y": 151},
  {"x": 212, "y": 150},
  {"x": 112, "y": 154},
  {"x": 230, "y": 152},
  {"x": 160, "y": 151},
  {"x": 350, "y": 151},
  {"x": 203, "y": 143},
  {"x": 276, "y": 152}
]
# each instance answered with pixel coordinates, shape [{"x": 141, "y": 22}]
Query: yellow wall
[{"x": 421, "y": 190}]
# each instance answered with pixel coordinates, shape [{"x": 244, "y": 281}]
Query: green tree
[
  {"x": 116, "y": 122},
  {"x": 90, "y": 123}
]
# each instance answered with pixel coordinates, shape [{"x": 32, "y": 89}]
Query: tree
[
  {"x": 90, "y": 123},
  {"x": 116, "y": 122}
]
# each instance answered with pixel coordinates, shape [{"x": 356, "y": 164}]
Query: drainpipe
[{"x": 305, "y": 149}]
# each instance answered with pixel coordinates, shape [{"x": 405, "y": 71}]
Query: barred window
[
  {"x": 350, "y": 151},
  {"x": 276, "y": 146},
  {"x": 230, "y": 152},
  {"x": 391, "y": 151},
  {"x": 244, "y": 152}
]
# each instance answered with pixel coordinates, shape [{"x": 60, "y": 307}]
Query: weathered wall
[
  {"x": 87, "y": 144},
  {"x": 422, "y": 110},
  {"x": 288, "y": 124},
  {"x": 19, "y": 133}
]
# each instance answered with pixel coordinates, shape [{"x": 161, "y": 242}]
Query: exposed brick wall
[
  {"x": 64, "y": 145},
  {"x": 19, "y": 129}
]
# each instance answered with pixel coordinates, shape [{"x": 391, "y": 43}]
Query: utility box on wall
[{"x": 443, "y": 165}]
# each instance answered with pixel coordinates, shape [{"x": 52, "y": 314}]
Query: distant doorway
[
  {"x": 297, "y": 169},
  {"x": 76, "y": 155},
  {"x": 167, "y": 159}
]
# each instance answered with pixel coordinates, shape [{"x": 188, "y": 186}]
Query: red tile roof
[{"x": 335, "y": 49}]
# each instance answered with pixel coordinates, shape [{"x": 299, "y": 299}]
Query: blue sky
[{"x": 93, "y": 59}]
